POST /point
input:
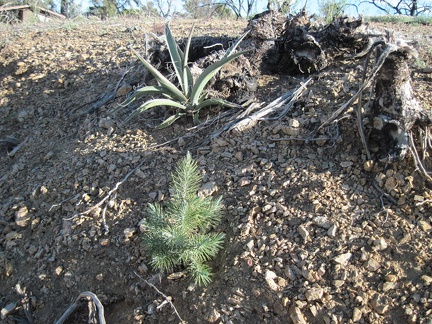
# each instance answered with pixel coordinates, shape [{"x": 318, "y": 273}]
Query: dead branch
[
  {"x": 88, "y": 211},
  {"x": 93, "y": 302},
  {"x": 287, "y": 101},
  {"x": 168, "y": 299},
  {"x": 387, "y": 50}
]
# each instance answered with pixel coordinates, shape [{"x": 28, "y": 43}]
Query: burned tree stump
[{"x": 394, "y": 110}]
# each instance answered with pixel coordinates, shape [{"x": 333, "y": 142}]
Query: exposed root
[{"x": 96, "y": 309}]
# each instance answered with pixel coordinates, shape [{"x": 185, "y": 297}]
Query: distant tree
[
  {"x": 239, "y": 7},
  {"x": 104, "y": 8},
  {"x": 330, "y": 9},
  {"x": 199, "y": 8},
  {"x": 150, "y": 9},
  {"x": 402, "y": 7},
  {"x": 165, "y": 7},
  {"x": 283, "y": 6}
]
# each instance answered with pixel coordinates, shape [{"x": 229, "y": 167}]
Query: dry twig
[
  {"x": 168, "y": 299},
  {"x": 108, "y": 195}
]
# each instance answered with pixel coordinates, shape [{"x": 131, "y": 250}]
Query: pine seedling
[{"x": 178, "y": 235}]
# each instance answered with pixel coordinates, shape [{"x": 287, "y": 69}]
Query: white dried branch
[
  {"x": 168, "y": 299},
  {"x": 108, "y": 195},
  {"x": 93, "y": 299}
]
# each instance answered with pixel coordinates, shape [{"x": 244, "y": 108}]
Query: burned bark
[{"x": 394, "y": 110}]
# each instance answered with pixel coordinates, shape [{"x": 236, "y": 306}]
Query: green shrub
[
  {"x": 178, "y": 234},
  {"x": 190, "y": 98}
]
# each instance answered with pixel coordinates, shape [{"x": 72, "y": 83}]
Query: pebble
[
  {"x": 9, "y": 308},
  {"x": 207, "y": 189},
  {"x": 332, "y": 231},
  {"x": 427, "y": 280},
  {"x": 270, "y": 277},
  {"x": 322, "y": 221},
  {"x": 123, "y": 90},
  {"x": 22, "y": 217},
  {"x": 357, "y": 314},
  {"x": 343, "y": 258},
  {"x": 425, "y": 226},
  {"x": 381, "y": 303},
  {"x": 129, "y": 232},
  {"x": 380, "y": 244},
  {"x": 303, "y": 232},
  {"x": 297, "y": 316},
  {"x": 315, "y": 293},
  {"x": 372, "y": 265}
]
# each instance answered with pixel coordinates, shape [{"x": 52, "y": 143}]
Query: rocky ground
[{"x": 311, "y": 235}]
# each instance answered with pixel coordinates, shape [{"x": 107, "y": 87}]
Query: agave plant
[{"x": 189, "y": 98}]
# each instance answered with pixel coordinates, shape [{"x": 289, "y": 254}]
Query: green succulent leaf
[
  {"x": 233, "y": 47},
  {"x": 155, "y": 103},
  {"x": 148, "y": 90},
  {"x": 163, "y": 81},
  {"x": 176, "y": 58},
  {"x": 207, "y": 75},
  {"x": 169, "y": 121},
  {"x": 216, "y": 102}
]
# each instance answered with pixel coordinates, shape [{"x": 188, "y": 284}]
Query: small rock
[
  {"x": 315, "y": 293},
  {"x": 22, "y": 217},
  {"x": 296, "y": 315},
  {"x": 346, "y": 164},
  {"x": 143, "y": 269},
  {"x": 332, "y": 231},
  {"x": 48, "y": 156},
  {"x": 213, "y": 315},
  {"x": 427, "y": 280},
  {"x": 270, "y": 277},
  {"x": 425, "y": 226},
  {"x": 106, "y": 123},
  {"x": 322, "y": 221},
  {"x": 372, "y": 265},
  {"x": 207, "y": 189},
  {"x": 303, "y": 232},
  {"x": 380, "y": 244},
  {"x": 381, "y": 303},
  {"x": 390, "y": 184},
  {"x": 140, "y": 174},
  {"x": 9, "y": 308},
  {"x": 391, "y": 278},
  {"x": 291, "y": 131},
  {"x": 58, "y": 270},
  {"x": 99, "y": 277},
  {"x": 244, "y": 182},
  {"x": 239, "y": 156},
  {"x": 293, "y": 123},
  {"x": 357, "y": 314},
  {"x": 389, "y": 286},
  {"x": 129, "y": 232},
  {"x": 343, "y": 258},
  {"x": 181, "y": 141},
  {"x": 12, "y": 236},
  {"x": 123, "y": 90},
  {"x": 368, "y": 165}
]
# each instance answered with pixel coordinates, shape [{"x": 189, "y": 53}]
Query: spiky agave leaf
[
  {"x": 180, "y": 60},
  {"x": 206, "y": 76},
  {"x": 163, "y": 81},
  {"x": 155, "y": 103}
]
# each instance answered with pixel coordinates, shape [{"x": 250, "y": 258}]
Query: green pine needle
[{"x": 178, "y": 234}]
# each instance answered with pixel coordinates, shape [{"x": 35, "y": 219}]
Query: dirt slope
[{"x": 310, "y": 238}]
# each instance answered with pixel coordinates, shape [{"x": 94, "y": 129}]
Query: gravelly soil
[{"x": 310, "y": 238}]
